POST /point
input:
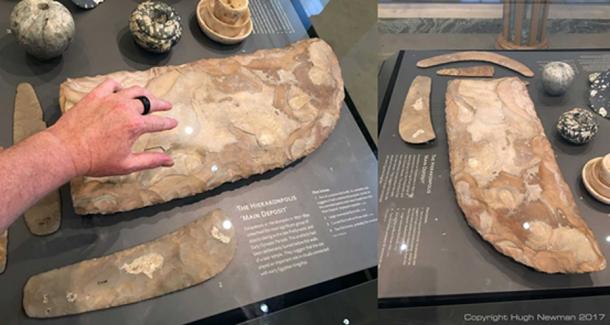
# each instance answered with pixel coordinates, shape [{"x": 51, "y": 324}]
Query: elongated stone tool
[
  {"x": 186, "y": 257},
  {"x": 415, "y": 126},
  {"x": 490, "y": 57},
  {"x": 481, "y": 71},
  {"x": 507, "y": 181},
  {"x": 44, "y": 217}
]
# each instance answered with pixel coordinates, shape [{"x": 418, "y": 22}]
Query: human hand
[{"x": 98, "y": 133}]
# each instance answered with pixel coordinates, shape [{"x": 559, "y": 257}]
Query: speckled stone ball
[
  {"x": 557, "y": 77},
  {"x": 155, "y": 26},
  {"x": 44, "y": 28},
  {"x": 577, "y": 125}
]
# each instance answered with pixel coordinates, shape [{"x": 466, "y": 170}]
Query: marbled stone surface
[
  {"x": 507, "y": 181},
  {"x": 186, "y": 257},
  {"x": 238, "y": 116}
]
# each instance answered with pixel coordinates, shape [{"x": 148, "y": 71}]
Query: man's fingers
[
  {"x": 147, "y": 160},
  {"x": 156, "y": 104},
  {"x": 108, "y": 87},
  {"x": 155, "y": 123}
]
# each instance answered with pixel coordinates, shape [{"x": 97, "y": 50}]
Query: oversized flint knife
[
  {"x": 44, "y": 217},
  {"x": 186, "y": 257}
]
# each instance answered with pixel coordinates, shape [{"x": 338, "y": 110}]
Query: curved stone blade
[
  {"x": 490, "y": 57},
  {"x": 189, "y": 256},
  {"x": 44, "y": 217},
  {"x": 507, "y": 181},
  {"x": 238, "y": 116},
  {"x": 482, "y": 71},
  {"x": 3, "y": 250},
  {"x": 415, "y": 125}
]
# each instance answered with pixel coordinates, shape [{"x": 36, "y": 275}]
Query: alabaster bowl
[
  {"x": 231, "y": 30},
  {"x": 220, "y": 31}
]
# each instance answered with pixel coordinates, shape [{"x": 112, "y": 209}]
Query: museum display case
[
  {"x": 474, "y": 198},
  {"x": 270, "y": 209}
]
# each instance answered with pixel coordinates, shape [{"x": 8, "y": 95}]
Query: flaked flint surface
[
  {"x": 507, "y": 180},
  {"x": 415, "y": 124},
  {"x": 187, "y": 257},
  {"x": 482, "y": 71},
  {"x": 238, "y": 116}
]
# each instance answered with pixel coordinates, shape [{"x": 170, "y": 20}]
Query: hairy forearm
[{"x": 29, "y": 171}]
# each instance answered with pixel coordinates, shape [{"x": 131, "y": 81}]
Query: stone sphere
[
  {"x": 44, "y": 28},
  {"x": 557, "y": 77},
  {"x": 155, "y": 26},
  {"x": 577, "y": 125}
]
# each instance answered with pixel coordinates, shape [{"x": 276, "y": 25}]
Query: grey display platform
[
  {"x": 427, "y": 252},
  {"x": 305, "y": 196}
]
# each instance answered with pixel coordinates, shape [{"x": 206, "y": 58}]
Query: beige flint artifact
[
  {"x": 415, "y": 126},
  {"x": 44, "y": 217},
  {"x": 189, "y": 256},
  {"x": 481, "y": 71},
  {"x": 237, "y": 117},
  {"x": 3, "y": 249},
  {"x": 490, "y": 57},
  {"x": 507, "y": 181}
]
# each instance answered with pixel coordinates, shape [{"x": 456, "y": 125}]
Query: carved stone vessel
[
  {"x": 225, "y": 21},
  {"x": 507, "y": 180},
  {"x": 238, "y": 116}
]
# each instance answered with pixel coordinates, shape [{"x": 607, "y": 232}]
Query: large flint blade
[
  {"x": 507, "y": 180},
  {"x": 187, "y": 257}
]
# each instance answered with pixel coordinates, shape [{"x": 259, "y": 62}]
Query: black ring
[{"x": 146, "y": 102}]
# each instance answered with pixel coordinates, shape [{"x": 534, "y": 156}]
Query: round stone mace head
[
  {"x": 155, "y": 26},
  {"x": 557, "y": 77},
  {"x": 577, "y": 125},
  {"x": 44, "y": 28}
]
